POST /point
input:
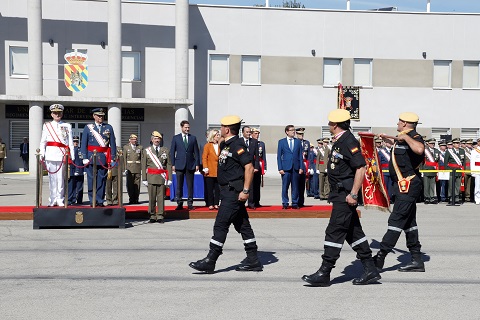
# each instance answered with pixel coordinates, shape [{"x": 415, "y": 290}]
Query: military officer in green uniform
[
  {"x": 3, "y": 154},
  {"x": 132, "y": 157},
  {"x": 111, "y": 193},
  {"x": 432, "y": 155},
  {"x": 322, "y": 159},
  {"x": 455, "y": 159},
  {"x": 156, "y": 175}
]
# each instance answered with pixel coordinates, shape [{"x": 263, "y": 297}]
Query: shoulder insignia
[
  {"x": 354, "y": 150},
  {"x": 240, "y": 151}
]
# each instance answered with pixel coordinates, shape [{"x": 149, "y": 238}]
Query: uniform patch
[
  {"x": 240, "y": 151},
  {"x": 354, "y": 150}
]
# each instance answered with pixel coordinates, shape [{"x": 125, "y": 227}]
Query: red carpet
[{"x": 140, "y": 212}]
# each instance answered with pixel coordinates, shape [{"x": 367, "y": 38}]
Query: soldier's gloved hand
[
  {"x": 310, "y": 171},
  {"x": 145, "y": 183},
  {"x": 318, "y": 171},
  {"x": 125, "y": 172},
  {"x": 169, "y": 183},
  {"x": 85, "y": 161}
]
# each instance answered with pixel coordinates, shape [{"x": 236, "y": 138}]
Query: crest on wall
[{"x": 76, "y": 71}]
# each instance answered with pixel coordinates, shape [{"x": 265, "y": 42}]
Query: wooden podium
[{"x": 78, "y": 217}]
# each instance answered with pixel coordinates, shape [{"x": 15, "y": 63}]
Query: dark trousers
[
  {"x": 403, "y": 218},
  {"x": 188, "y": 174},
  {"x": 257, "y": 185},
  {"x": 75, "y": 189},
  {"x": 213, "y": 191},
  {"x": 133, "y": 186},
  {"x": 314, "y": 185},
  {"x": 25, "y": 161},
  {"x": 290, "y": 177},
  {"x": 301, "y": 188},
  {"x": 101, "y": 179},
  {"x": 344, "y": 225},
  {"x": 233, "y": 212}
]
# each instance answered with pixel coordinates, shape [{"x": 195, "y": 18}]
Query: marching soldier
[
  {"x": 322, "y": 159},
  {"x": 260, "y": 166},
  {"x": 407, "y": 156},
  {"x": 55, "y": 143},
  {"x": 346, "y": 169},
  {"x": 3, "y": 154},
  {"x": 432, "y": 156},
  {"x": 100, "y": 137},
  {"x": 302, "y": 180},
  {"x": 468, "y": 175},
  {"x": 235, "y": 174},
  {"x": 75, "y": 181},
  {"x": 455, "y": 159},
  {"x": 156, "y": 175},
  {"x": 132, "y": 157}
]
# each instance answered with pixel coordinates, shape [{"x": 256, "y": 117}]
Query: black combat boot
[
  {"x": 207, "y": 264},
  {"x": 321, "y": 278},
  {"x": 379, "y": 259},
  {"x": 415, "y": 265},
  {"x": 370, "y": 273},
  {"x": 252, "y": 264}
]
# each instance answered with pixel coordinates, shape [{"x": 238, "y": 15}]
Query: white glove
[
  {"x": 310, "y": 171},
  {"x": 205, "y": 170},
  {"x": 145, "y": 183},
  {"x": 318, "y": 171},
  {"x": 125, "y": 172},
  {"x": 86, "y": 161},
  {"x": 169, "y": 183}
]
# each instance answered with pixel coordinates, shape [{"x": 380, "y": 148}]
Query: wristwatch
[
  {"x": 246, "y": 191},
  {"x": 354, "y": 196}
]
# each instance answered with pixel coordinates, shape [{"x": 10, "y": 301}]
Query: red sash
[
  {"x": 160, "y": 171},
  {"x": 477, "y": 163},
  {"x": 56, "y": 144},
  {"x": 105, "y": 150},
  {"x": 306, "y": 166},
  {"x": 384, "y": 165}
]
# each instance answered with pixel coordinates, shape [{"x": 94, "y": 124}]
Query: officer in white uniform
[{"x": 55, "y": 143}]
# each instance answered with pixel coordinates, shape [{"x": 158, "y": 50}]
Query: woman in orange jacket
[{"x": 210, "y": 155}]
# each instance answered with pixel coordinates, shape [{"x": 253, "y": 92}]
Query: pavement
[{"x": 142, "y": 271}]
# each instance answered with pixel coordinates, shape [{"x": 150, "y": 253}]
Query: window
[
  {"x": 441, "y": 74},
  {"x": 127, "y": 130},
  {"x": 362, "y": 72},
  {"x": 219, "y": 73},
  {"x": 18, "y": 130},
  {"x": 326, "y": 132},
  {"x": 19, "y": 62},
  {"x": 332, "y": 72},
  {"x": 470, "y": 133},
  {"x": 130, "y": 66},
  {"x": 438, "y": 133},
  {"x": 251, "y": 70},
  {"x": 471, "y": 75}
]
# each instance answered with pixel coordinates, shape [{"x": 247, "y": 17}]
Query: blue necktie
[{"x": 291, "y": 145}]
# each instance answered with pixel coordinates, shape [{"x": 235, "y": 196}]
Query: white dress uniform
[
  {"x": 55, "y": 134},
  {"x": 475, "y": 166}
]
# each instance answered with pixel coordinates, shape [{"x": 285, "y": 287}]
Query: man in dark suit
[
  {"x": 185, "y": 161},
  {"x": 24, "y": 153},
  {"x": 260, "y": 167},
  {"x": 290, "y": 165},
  {"x": 252, "y": 146}
]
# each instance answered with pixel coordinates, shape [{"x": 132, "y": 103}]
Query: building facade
[{"x": 272, "y": 66}]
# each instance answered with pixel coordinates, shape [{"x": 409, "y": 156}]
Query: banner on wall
[
  {"x": 76, "y": 71},
  {"x": 349, "y": 99}
]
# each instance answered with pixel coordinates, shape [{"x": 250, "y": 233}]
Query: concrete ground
[{"x": 142, "y": 271}]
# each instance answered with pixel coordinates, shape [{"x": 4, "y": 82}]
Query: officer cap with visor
[
  {"x": 157, "y": 134},
  {"x": 98, "y": 111},
  {"x": 230, "y": 120},
  {"x": 56, "y": 107}
]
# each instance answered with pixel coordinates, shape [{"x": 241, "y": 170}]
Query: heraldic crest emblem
[{"x": 76, "y": 71}]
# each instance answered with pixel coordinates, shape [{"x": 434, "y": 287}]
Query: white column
[
  {"x": 181, "y": 59},
  {"x": 115, "y": 66},
  {"x": 267, "y": 3},
  {"x": 348, "y": 4},
  {"x": 428, "y": 5},
  {"x": 35, "y": 79}
]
